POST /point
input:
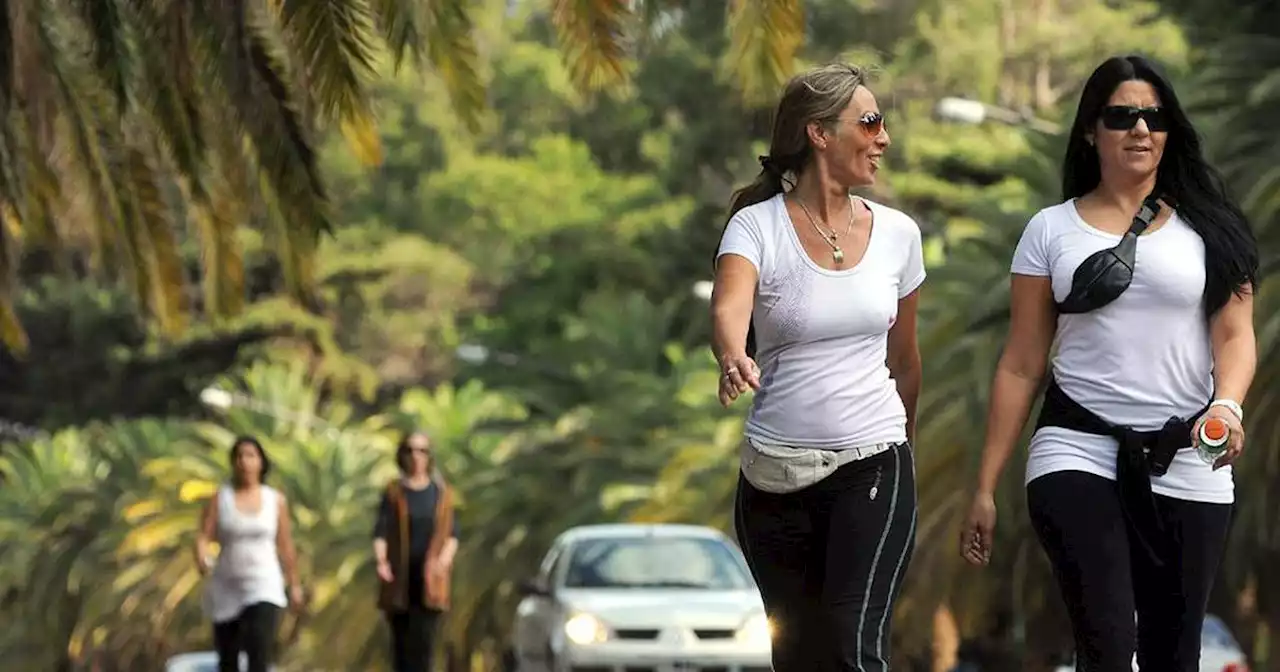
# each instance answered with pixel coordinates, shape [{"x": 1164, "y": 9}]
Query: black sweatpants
[
  {"x": 1105, "y": 579},
  {"x": 253, "y": 632},
  {"x": 413, "y": 632},
  {"x": 413, "y": 636},
  {"x": 830, "y": 559}
]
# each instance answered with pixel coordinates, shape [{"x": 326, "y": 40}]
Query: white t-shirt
[
  {"x": 1135, "y": 362},
  {"x": 822, "y": 335}
]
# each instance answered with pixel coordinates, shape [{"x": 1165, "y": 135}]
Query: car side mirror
[{"x": 531, "y": 587}]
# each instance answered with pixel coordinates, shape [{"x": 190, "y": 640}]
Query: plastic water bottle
[{"x": 1213, "y": 437}]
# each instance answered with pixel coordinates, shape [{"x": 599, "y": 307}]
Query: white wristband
[{"x": 1230, "y": 406}]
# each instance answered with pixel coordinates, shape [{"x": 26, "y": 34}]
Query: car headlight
[
  {"x": 582, "y": 628},
  {"x": 758, "y": 630}
]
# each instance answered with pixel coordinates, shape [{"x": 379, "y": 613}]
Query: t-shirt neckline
[
  {"x": 780, "y": 202},
  {"x": 1089, "y": 228}
]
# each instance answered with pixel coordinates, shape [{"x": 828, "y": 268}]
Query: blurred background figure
[
  {"x": 245, "y": 591},
  {"x": 415, "y": 540}
]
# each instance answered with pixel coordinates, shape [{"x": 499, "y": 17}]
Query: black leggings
[
  {"x": 830, "y": 559},
  {"x": 1105, "y": 580},
  {"x": 252, "y": 632},
  {"x": 413, "y": 636}
]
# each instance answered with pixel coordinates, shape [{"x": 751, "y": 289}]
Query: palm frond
[
  {"x": 259, "y": 105},
  {"x": 451, "y": 50},
  {"x": 216, "y": 221},
  {"x": 7, "y": 49},
  {"x": 12, "y": 335},
  {"x": 294, "y": 190},
  {"x": 110, "y": 49},
  {"x": 332, "y": 43},
  {"x": 592, "y": 34},
  {"x": 169, "y": 86},
  {"x": 151, "y": 216},
  {"x": 400, "y": 24},
  {"x": 91, "y": 141},
  {"x": 764, "y": 37}
]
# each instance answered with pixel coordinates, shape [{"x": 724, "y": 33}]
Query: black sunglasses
[{"x": 1125, "y": 117}]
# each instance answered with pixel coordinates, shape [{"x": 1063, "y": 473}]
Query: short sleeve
[
  {"x": 913, "y": 274},
  {"x": 1031, "y": 257},
  {"x": 742, "y": 236}
]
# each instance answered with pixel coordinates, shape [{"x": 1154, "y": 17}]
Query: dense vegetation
[{"x": 499, "y": 241}]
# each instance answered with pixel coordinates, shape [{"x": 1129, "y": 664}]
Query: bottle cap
[{"x": 1214, "y": 431}]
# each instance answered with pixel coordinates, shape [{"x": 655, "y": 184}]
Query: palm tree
[
  {"x": 205, "y": 112},
  {"x": 70, "y": 564}
]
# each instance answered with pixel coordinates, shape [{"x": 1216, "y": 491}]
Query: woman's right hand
[
  {"x": 738, "y": 373},
  {"x": 979, "y": 530},
  {"x": 384, "y": 571}
]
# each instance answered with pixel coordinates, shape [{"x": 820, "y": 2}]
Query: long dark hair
[
  {"x": 820, "y": 95},
  {"x": 1184, "y": 178},
  {"x": 262, "y": 456}
]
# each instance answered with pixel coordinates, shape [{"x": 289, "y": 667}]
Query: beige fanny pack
[{"x": 782, "y": 469}]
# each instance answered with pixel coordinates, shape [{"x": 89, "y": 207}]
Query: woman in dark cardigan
[{"x": 415, "y": 540}]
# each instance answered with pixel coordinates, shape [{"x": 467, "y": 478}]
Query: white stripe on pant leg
[
  {"x": 915, "y": 511},
  {"x": 875, "y": 560}
]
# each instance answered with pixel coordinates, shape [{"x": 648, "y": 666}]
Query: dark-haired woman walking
[
  {"x": 246, "y": 588},
  {"x": 415, "y": 540},
  {"x": 822, "y": 287},
  {"x": 1144, "y": 276}
]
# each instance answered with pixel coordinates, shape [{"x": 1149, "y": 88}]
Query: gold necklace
[{"x": 836, "y": 253}]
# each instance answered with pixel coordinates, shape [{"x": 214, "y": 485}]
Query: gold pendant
[{"x": 838, "y": 255}]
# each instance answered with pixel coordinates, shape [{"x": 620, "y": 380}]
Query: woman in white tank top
[{"x": 246, "y": 583}]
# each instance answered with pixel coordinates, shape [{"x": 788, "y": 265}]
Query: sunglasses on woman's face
[
  {"x": 872, "y": 123},
  {"x": 1125, "y": 117}
]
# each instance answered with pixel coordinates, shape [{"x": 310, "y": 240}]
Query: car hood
[{"x": 656, "y": 608}]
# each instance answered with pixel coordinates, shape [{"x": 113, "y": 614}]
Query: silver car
[{"x": 641, "y": 598}]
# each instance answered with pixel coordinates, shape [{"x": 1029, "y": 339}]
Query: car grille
[{"x": 637, "y": 634}]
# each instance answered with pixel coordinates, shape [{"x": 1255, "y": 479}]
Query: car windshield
[{"x": 655, "y": 562}]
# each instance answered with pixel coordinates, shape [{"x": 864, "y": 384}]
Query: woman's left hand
[
  {"x": 1235, "y": 441},
  {"x": 297, "y": 598}
]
